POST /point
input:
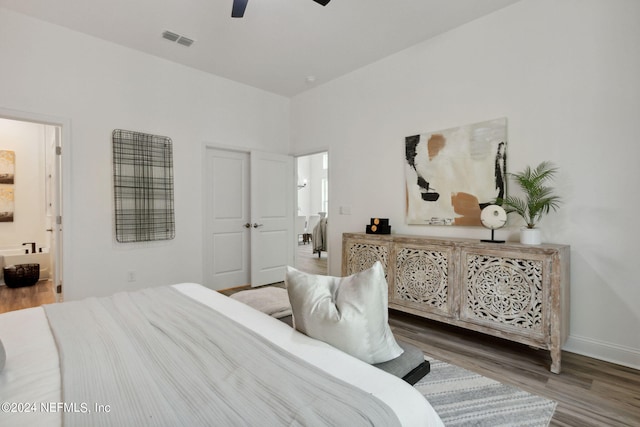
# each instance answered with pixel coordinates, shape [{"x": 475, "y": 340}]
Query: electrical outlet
[{"x": 131, "y": 276}]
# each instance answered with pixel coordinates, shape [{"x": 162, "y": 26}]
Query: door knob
[
  {"x": 247, "y": 225},
  {"x": 256, "y": 225}
]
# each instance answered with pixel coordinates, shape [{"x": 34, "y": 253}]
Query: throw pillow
[{"x": 350, "y": 313}]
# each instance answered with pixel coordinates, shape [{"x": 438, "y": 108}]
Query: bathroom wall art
[
  {"x": 143, "y": 186},
  {"x": 6, "y": 203},
  {"x": 7, "y": 166},
  {"x": 7, "y": 180},
  {"x": 452, "y": 174}
]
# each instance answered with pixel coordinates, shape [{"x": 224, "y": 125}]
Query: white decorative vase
[{"x": 530, "y": 236}]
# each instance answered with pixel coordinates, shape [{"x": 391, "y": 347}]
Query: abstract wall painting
[
  {"x": 452, "y": 174},
  {"x": 7, "y": 179}
]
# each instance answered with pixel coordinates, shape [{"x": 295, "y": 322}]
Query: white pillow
[{"x": 350, "y": 313}]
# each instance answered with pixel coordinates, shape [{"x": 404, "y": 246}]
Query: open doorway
[
  {"x": 30, "y": 208},
  {"x": 312, "y": 172}
]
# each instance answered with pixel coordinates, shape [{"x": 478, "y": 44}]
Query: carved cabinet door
[
  {"x": 423, "y": 278},
  {"x": 506, "y": 292},
  {"x": 358, "y": 255}
]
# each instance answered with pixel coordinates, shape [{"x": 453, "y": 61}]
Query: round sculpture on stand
[{"x": 493, "y": 217}]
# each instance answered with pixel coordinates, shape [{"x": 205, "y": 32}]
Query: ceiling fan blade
[{"x": 238, "y": 8}]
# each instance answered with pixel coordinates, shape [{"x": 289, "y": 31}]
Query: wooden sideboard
[{"x": 513, "y": 291}]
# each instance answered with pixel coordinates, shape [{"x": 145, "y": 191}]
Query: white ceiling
[{"x": 278, "y": 43}]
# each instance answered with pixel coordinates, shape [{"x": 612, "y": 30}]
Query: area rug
[{"x": 464, "y": 398}]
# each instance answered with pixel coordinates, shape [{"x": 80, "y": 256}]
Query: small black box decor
[{"x": 379, "y": 226}]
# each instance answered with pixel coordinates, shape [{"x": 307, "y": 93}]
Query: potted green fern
[{"x": 538, "y": 199}]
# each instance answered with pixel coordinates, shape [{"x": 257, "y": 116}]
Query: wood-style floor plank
[
  {"x": 589, "y": 392},
  {"x": 28, "y": 296},
  {"x": 309, "y": 262}
]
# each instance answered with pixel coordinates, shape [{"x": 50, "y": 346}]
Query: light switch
[{"x": 345, "y": 210}]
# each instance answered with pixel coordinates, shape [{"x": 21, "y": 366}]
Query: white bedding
[
  {"x": 32, "y": 370},
  {"x": 31, "y": 374}
]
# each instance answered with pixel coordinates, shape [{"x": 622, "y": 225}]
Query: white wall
[
  {"x": 318, "y": 173},
  {"x": 565, "y": 74},
  {"x": 27, "y": 140},
  {"x": 98, "y": 87},
  {"x": 303, "y": 168},
  {"x": 310, "y": 197}
]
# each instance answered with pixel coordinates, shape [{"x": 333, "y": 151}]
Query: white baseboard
[{"x": 602, "y": 350}]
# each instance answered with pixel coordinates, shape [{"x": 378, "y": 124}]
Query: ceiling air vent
[
  {"x": 170, "y": 36},
  {"x": 184, "y": 41}
]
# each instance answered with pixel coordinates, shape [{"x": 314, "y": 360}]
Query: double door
[{"x": 249, "y": 222}]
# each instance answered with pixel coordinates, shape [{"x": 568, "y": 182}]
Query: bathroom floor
[{"x": 29, "y": 296}]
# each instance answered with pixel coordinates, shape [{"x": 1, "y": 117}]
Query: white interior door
[
  {"x": 249, "y": 221},
  {"x": 272, "y": 212},
  {"x": 227, "y": 233}
]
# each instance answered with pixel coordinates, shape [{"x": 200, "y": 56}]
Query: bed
[{"x": 38, "y": 364}]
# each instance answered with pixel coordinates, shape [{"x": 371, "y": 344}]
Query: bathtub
[{"x": 17, "y": 256}]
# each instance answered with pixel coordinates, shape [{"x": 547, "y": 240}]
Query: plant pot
[{"x": 530, "y": 236}]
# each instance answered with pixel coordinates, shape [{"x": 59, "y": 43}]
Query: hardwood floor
[
  {"x": 29, "y": 296},
  {"x": 309, "y": 262},
  {"x": 589, "y": 392}
]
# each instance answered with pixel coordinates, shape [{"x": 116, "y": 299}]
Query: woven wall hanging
[{"x": 143, "y": 184}]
